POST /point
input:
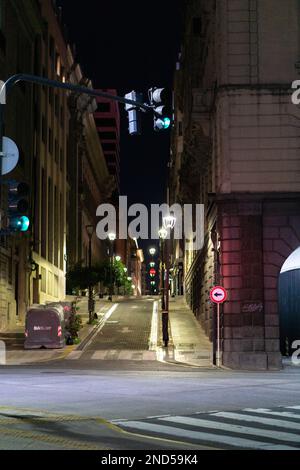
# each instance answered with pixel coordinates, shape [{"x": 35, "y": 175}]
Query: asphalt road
[{"x": 138, "y": 403}]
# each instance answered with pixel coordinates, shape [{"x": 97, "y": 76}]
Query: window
[
  {"x": 108, "y": 135},
  {"x": 50, "y": 140},
  {"x": 44, "y": 132},
  {"x": 62, "y": 115},
  {"x": 103, "y": 107},
  {"x": 180, "y": 128},
  {"x": 197, "y": 26},
  {"x": 105, "y": 122},
  {"x": 43, "y": 280},
  {"x": 51, "y": 47},
  {"x": 58, "y": 65},
  {"x": 56, "y": 225},
  {"x": 56, "y": 105},
  {"x": 109, "y": 146},
  {"x": 43, "y": 212},
  {"x": 50, "y": 96},
  {"x": 50, "y": 220},
  {"x": 61, "y": 159},
  {"x": 36, "y": 117},
  {"x": 56, "y": 151}
]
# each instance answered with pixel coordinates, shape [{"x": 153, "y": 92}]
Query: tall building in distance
[{"x": 107, "y": 119}]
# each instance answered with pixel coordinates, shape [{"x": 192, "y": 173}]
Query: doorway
[{"x": 289, "y": 302}]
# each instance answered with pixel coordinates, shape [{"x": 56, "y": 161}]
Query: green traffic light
[
  {"x": 23, "y": 223},
  {"x": 167, "y": 122}
]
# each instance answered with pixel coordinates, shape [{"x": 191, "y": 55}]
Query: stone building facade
[
  {"x": 20, "y": 24},
  {"x": 235, "y": 149},
  {"x": 51, "y": 144}
]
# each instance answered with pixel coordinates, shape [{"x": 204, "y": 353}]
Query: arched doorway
[{"x": 289, "y": 302}]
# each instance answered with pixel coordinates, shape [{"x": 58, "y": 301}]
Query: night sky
[{"x": 130, "y": 45}]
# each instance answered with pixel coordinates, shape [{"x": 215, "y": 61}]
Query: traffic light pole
[{"x": 21, "y": 77}]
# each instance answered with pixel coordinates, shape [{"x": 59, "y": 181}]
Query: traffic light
[
  {"x": 134, "y": 112},
  {"x": 160, "y": 101},
  {"x": 18, "y": 206}
]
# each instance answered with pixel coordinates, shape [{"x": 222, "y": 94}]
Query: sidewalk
[
  {"x": 188, "y": 343},
  {"x": 16, "y": 354}
]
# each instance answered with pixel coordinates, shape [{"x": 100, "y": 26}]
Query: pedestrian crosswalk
[
  {"x": 249, "y": 428},
  {"x": 113, "y": 355}
]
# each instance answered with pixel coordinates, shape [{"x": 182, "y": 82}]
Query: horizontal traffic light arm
[
  {"x": 22, "y": 77},
  {"x": 66, "y": 86}
]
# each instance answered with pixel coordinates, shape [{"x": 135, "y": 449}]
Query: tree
[{"x": 80, "y": 278}]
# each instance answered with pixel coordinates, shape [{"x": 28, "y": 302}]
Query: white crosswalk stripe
[
  {"x": 114, "y": 354},
  {"x": 257, "y": 428},
  {"x": 236, "y": 428},
  {"x": 283, "y": 414}
]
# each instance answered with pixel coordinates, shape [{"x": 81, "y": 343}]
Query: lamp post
[
  {"x": 168, "y": 224},
  {"x": 111, "y": 237},
  {"x": 125, "y": 271},
  {"x": 90, "y": 231},
  {"x": 163, "y": 233}
]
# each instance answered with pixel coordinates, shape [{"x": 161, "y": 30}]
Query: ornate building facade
[{"x": 235, "y": 149}]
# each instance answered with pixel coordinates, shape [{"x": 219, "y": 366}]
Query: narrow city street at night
[{"x": 150, "y": 232}]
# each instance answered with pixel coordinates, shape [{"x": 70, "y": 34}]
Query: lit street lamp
[
  {"x": 163, "y": 233},
  {"x": 91, "y": 307},
  {"x": 168, "y": 224},
  {"x": 111, "y": 237},
  {"x": 169, "y": 221},
  {"x": 152, "y": 251}
]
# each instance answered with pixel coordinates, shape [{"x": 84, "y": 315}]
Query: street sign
[
  {"x": 9, "y": 157},
  {"x": 218, "y": 294}
]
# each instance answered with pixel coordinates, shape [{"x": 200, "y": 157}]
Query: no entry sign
[{"x": 218, "y": 294}]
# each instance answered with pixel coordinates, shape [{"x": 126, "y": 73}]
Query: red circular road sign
[{"x": 218, "y": 294}]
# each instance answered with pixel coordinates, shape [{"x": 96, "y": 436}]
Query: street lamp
[
  {"x": 90, "y": 231},
  {"x": 169, "y": 221},
  {"x": 168, "y": 224},
  {"x": 152, "y": 251},
  {"x": 163, "y": 233},
  {"x": 111, "y": 237}
]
